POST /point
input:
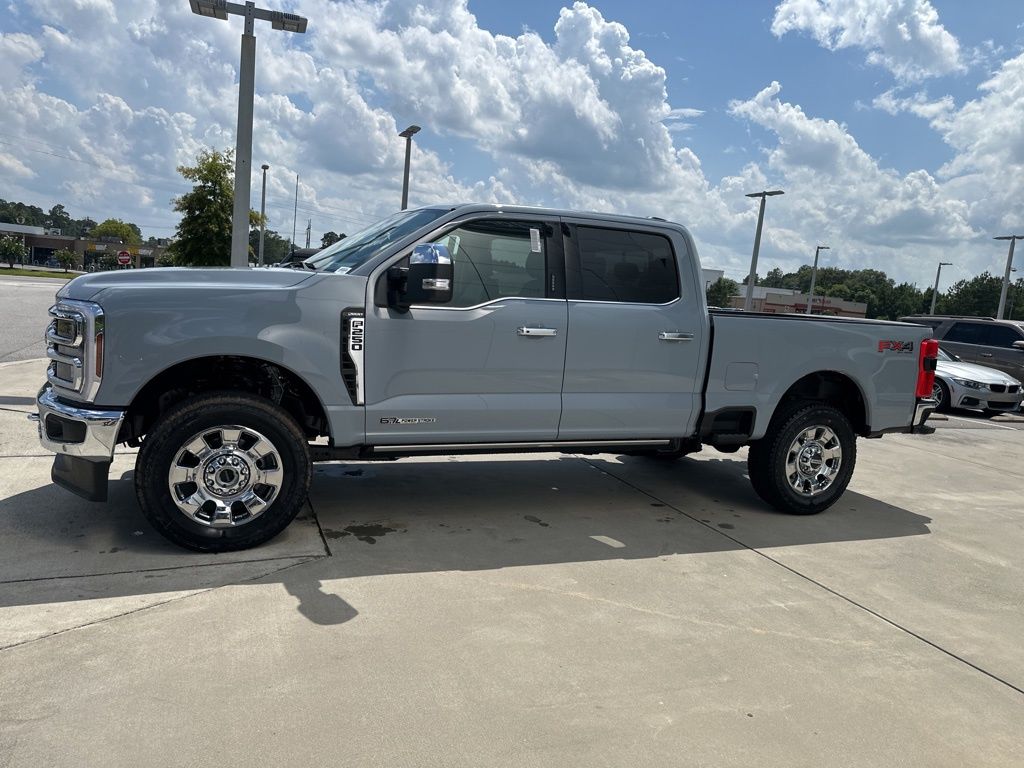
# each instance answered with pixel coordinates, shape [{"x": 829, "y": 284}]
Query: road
[
  {"x": 23, "y": 318},
  {"x": 525, "y": 611}
]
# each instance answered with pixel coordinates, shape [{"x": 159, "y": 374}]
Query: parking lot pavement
[
  {"x": 527, "y": 611},
  {"x": 24, "y": 301}
]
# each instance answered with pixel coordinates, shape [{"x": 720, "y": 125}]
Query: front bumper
[{"x": 83, "y": 439}]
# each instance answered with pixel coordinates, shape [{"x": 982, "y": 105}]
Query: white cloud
[{"x": 904, "y": 36}]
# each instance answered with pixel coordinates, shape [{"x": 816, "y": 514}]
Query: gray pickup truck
[{"x": 453, "y": 330}]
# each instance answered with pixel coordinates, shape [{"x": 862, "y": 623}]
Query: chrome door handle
[
  {"x": 986, "y": 354},
  {"x": 536, "y": 332},
  {"x": 675, "y": 336}
]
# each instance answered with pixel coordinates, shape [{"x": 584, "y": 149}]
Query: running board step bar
[{"x": 389, "y": 452}]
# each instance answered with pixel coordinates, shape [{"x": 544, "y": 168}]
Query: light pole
[
  {"x": 935, "y": 290},
  {"x": 1006, "y": 275},
  {"x": 749, "y": 301},
  {"x": 814, "y": 275},
  {"x": 286, "y": 22},
  {"x": 407, "y": 134},
  {"x": 263, "y": 211}
]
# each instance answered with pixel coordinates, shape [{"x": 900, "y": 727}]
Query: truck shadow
[{"x": 420, "y": 515}]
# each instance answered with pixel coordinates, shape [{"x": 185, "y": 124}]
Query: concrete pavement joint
[
  {"x": 819, "y": 584},
  {"x": 162, "y": 568},
  {"x": 320, "y": 530},
  {"x": 195, "y": 593}
]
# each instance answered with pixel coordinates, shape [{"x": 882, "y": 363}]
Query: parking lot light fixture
[
  {"x": 407, "y": 134},
  {"x": 1006, "y": 275},
  {"x": 286, "y": 22},
  {"x": 935, "y": 290},
  {"x": 748, "y": 303},
  {"x": 814, "y": 275}
]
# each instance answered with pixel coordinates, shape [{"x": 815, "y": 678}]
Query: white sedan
[{"x": 966, "y": 385}]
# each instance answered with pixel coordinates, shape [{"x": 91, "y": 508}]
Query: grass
[{"x": 5, "y": 272}]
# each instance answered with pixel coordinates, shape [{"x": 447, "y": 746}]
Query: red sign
[{"x": 124, "y": 258}]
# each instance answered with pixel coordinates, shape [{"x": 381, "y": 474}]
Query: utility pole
[
  {"x": 263, "y": 213},
  {"x": 309, "y": 229},
  {"x": 286, "y": 22},
  {"x": 935, "y": 290},
  {"x": 814, "y": 275},
  {"x": 1006, "y": 275},
  {"x": 748, "y": 303},
  {"x": 407, "y": 134}
]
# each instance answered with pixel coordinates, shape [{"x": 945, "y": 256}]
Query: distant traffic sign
[{"x": 124, "y": 258}]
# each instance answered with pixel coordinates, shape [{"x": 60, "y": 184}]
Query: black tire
[
  {"x": 767, "y": 458},
  {"x": 208, "y": 411},
  {"x": 941, "y": 393}
]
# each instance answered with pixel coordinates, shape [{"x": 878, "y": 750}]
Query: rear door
[
  {"x": 1000, "y": 339},
  {"x": 967, "y": 340},
  {"x": 488, "y": 365},
  {"x": 636, "y": 334}
]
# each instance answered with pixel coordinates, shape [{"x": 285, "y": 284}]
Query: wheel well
[
  {"x": 219, "y": 373},
  {"x": 835, "y": 389}
]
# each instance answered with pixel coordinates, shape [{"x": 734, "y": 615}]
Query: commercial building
[
  {"x": 782, "y": 300},
  {"x": 42, "y": 243}
]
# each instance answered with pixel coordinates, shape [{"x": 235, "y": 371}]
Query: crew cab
[{"x": 453, "y": 330}]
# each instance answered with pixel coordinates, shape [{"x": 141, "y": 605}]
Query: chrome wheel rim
[
  {"x": 813, "y": 461},
  {"x": 225, "y": 476},
  {"x": 937, "y": 392}
]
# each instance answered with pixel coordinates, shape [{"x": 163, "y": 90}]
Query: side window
[
  {"x": 496, "y": 259},
  {"x": 1001, "y": 336},
  {"x": 967, "y": 333},
  {"x": 620, "y": 265}
]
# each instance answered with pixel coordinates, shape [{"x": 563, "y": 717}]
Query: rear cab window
[{"x": 623, "y": 265}]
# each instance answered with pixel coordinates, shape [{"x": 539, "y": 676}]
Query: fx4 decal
[
  {"x": 402, "y": 421},
  {"x": 895, "y": 346}
]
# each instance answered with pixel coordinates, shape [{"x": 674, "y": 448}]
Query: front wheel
[
  {"x": 805, "y": 461},
  {"x": 223, "y": 471}
]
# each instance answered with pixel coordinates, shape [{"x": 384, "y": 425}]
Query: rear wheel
[
  {"x": 805, "y": 461},
  {"x": 222, "y": 472},
  {"x": 940, "y": 394}
]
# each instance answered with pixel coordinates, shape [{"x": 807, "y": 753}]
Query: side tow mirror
[
  {"x": 429, "y": 279},
  {"x": 1019, "y": 345}
]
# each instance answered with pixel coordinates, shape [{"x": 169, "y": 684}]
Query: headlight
[
  {"x": 74, "y": 346},
  {"x": 971, "y": 384}
]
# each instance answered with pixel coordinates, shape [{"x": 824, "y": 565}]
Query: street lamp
[
  {"x": 814, "y": 275},
  {"x": 1006, "y": 275},
  {"x": 286, "y": 22},
  {"x": 263, "y": 211},
  {"x": 935, "y": 290},
  {"x": 407, "y": 134},
  {"x": 748, "y": 303}
]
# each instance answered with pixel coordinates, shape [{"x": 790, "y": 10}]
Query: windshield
[
  {"x": 351, "y": 252},
  {"x": 944, "y": 355}
]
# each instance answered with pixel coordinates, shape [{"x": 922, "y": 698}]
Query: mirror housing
[{"x": 1019, "y": 345}]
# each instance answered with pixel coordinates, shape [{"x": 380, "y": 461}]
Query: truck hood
[
  {"x": 979, "y": 373},
  {"x": 89, "y": 287}
]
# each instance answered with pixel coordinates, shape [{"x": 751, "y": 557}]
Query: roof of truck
[{"x": 597, "y": 215}]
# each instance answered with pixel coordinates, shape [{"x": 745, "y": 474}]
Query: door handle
[
  {"x": 986, "y": 354},
  {"x": 536, "y": 332},
  {"x": 675, "y": 336}
]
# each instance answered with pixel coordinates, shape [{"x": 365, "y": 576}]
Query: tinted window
[
  {"x": 619, "y": 265},
  {"x": 351, "y": 252},
  {"x": 1002, "y": 336},
  {"x": 967, "y": 333},
  {"x": 496, "y": 259}
]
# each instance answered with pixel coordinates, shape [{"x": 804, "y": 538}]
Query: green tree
[
  {"x": 275, "y": 247},
  {"x": 65, "y": 258},
  {"x": 774, "y": 279},
  {"x": 330, "y": 238},
  {"x": 203, "y": 236},
  {"x": 978, "y": 296},
  {"x": 721, "y": 291},
  {"x": 126, "y": 232},
  {"x": 12, "y": 249}
]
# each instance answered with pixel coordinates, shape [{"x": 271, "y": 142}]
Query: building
[
  {"x": 43, "y": 243},
  {"x": 782, "y": 300}
]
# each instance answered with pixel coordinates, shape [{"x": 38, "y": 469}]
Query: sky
[{"x": 895, "y": 127}]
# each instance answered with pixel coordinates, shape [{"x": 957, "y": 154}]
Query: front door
[
  {"x": 485, "y": 367},
  {"x": 637, "y": 331}
]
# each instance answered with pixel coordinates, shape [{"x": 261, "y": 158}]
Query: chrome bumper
[{"x": 70, "y": 430}]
